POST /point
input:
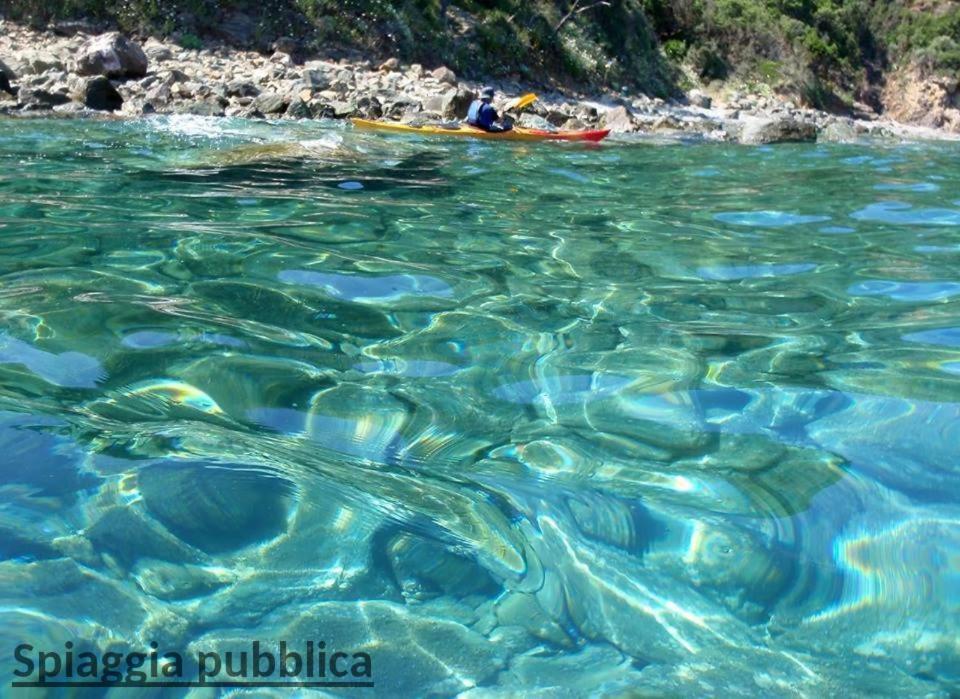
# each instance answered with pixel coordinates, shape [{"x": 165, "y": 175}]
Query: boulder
[
  {"x": 556, "y": 116},
  {"x": 5, "y": 85},
  {"x": 839, "y": 131},
  {"x": 532, "y": 121},
  {"x": 697, "y": 98},
  {"x": 287, "y": 45},
  {"x": 344, "y": 109},
  {"x": 395, "y": 107},
  {"x": 299, "y": 109},
  {"x": 619, "y": 120},
  {"x": 452, "y": 104},
  {"x": 37, "y": 62},
  {"x": 316, "y": 79},
  {"x": 242, "y": 88},
  {"x": 444, "y": 75},
  {"x": 157, "y": 52},
  {"x": 204, "y": 107},
  {"x": 389, "y": 65},
  {"x": 370, "y": 107},
  {"x": 462, "y": 101},
  {"x": 158, "y": 97},
  {"x": 270, "y": 103},
  {"x": 762, "y": 131},
  {"x": 40, "y": 98},
  {"x": 7, "y": 71},
  {"x": 113, "y": 56},
  {"x": 100, "y": 94}
]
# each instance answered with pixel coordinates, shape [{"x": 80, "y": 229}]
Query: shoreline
[{"x": 108, "y": 74}]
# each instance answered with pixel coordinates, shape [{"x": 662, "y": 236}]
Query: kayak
[{"x": 515, "y": 134}]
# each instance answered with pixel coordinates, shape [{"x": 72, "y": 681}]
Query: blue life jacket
[{"x": 482, "y": 115}]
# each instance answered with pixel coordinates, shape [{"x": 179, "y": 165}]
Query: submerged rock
[
  {"x": 427, "y": 653},
  {"x": 216, "y": 508},
  {"x": 788, "y": 130}
]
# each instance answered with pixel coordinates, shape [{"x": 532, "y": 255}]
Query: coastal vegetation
[{"x": 823, "y": 51}]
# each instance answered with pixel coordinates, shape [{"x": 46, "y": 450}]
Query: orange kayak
[{"x": 515, "y": 134}]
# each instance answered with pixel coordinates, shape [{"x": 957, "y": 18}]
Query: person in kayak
[{"x": 483, "y": 116}]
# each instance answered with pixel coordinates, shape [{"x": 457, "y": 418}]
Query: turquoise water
[{"x": 584, "y": 421}]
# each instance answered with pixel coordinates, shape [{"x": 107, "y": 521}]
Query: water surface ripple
[{"x": 511, "y": 418}]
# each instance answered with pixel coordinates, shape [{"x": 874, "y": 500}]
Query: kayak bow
[{"x": 515, "y": 134}]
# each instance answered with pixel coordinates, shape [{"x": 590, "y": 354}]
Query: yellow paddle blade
[{"x": 521, "y": 102}]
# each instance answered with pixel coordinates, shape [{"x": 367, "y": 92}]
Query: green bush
[{"x": 675, "y": 49}]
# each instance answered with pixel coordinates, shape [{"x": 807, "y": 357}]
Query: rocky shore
[{"x": 73, "y": 71}]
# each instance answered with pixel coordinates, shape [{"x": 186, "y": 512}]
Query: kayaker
[{"x": 482, "y": 114}]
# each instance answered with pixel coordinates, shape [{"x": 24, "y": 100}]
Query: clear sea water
[{"x": 641, "y": 419}]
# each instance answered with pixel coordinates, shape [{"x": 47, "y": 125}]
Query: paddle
[{"x": 520, "y": 102}]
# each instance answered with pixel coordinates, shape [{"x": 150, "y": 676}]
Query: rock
[
  {"x": 370, "y": 107},
  {"x": 5, "y": 85},
  {"x": 158, "y": 97},
  {"x": 444, "y": 75},
  {"x": 761, "y": 131},
  {"x": 389, "y": 65},
  {"x": 204, "y": 107},
  {"x": 299, "y": 109},
  {"x": 555, "y": 116},
  {"x": 914, "y": 98},
  {"x": 242, "y": 88},
  {"x": 270, "y": 103},
  {"x": 37, "y": 62},
  {"x": 838, "y": 132},
  {"x": 100, "y": 94},
  {"x": 157, "y": 52},
  {"x": 667, "y": 122},
  {"x": 282, "y": 59},
  {"x": 452, "y": 104},
  {"x": 344, "y": 109},
  {"x": 573, "y": 124},
  {"x": 113, "y": 56},
  {"x": 462, "y": 101},
  {"x": 698, "y": 99},
  {"x": 588, "y": 114},
  {"x": 315, "y": 79},
  {"x": 7, "y": 71},
  {"x": 237, "y": 29},
  {"x": 40, "y": 98},
  {"x": 286, "y": 44},
  {"x": 532, "y": 121},
  {"x": 619, "y": 120}
]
